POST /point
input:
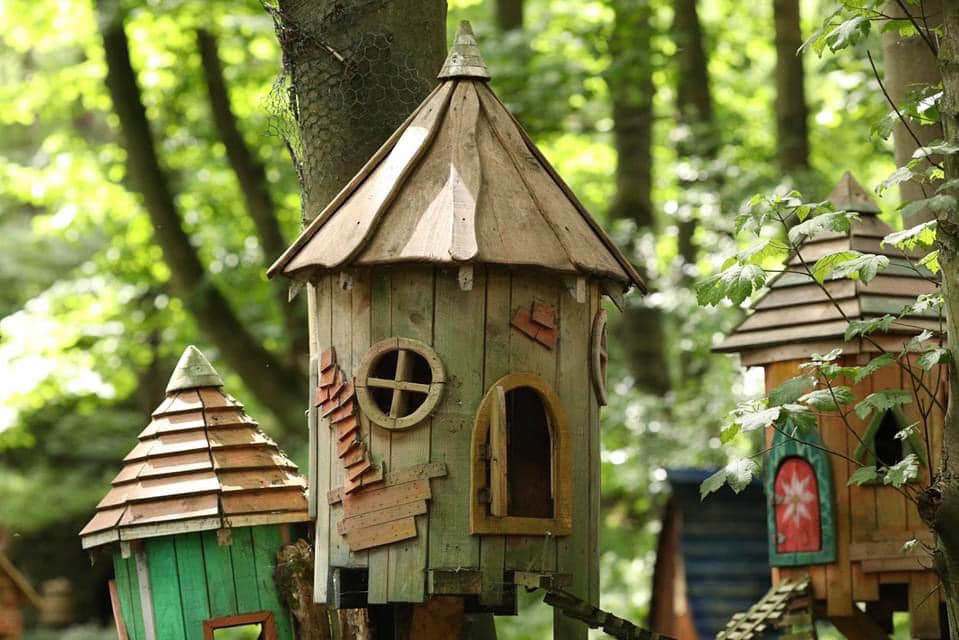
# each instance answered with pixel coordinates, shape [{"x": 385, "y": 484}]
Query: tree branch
[
  {"x": 251, "y": 176},
  {"x": 276, "y": 385}
]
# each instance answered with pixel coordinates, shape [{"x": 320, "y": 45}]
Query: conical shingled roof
[
  {"x": 458, "y": 183},
  {"x": 201, "y": 464},
  {"x": 795, "y": 317}
]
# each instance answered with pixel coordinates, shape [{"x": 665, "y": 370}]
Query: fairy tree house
[
  {"x": 848, "y": 539},
  {"x": 458, "y": 347},
  {"x": 196, "y": 516}
]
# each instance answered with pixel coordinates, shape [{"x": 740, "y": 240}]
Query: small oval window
[{"x": 399, "y": 382}]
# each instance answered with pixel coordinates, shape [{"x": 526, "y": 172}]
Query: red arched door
[{"x": 797, "y": 507}]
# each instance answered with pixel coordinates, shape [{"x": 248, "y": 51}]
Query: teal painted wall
[{"x": 193, "y": 579}]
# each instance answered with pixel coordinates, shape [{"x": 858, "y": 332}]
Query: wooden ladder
[{"x": 785, "y": 607}]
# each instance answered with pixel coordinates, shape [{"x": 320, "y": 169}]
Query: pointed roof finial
[
  {"x": 464, "y": 59},
  {"x": 849, "y": 195},
  {"x": 192, "y": 371}
]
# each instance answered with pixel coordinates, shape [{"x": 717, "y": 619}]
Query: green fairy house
[
  {"x": 458, "y": 343},
  {"x": 843, "y": 544},
  {"x": 196, "y": 516}
]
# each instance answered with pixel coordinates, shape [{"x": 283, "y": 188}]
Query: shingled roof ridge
[
  {"x": 193, "y": 371},
  {"x": 464, "y": 59},
  {"x": 849, "y": 195}
]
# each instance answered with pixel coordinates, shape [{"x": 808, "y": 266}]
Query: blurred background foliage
[{"x": 90, "y": 330}]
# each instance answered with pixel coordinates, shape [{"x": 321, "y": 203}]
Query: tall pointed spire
[
  {"x": 193, "y": 371},
  {"x": 849, "y": 195},
  {"x": 465, "y": 59}
]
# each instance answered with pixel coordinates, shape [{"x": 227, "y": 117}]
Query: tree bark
[
  {"x": 910, "y": 63},
  {"x": 251, "y": 176},
  {"x": 940, "y": 504},
  {"x": 698, "y": 142},
  {"x": 278, "y": 386},
  {"x": 630, "y": 81},
  {"x": 509, "y": 14},
  {"x": 357, "y": 70},
  {"x": 792, "y": 114}
]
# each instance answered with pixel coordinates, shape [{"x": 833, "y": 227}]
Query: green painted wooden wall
[
  {"x": 471, "y": 333},
  {"x": 192, "y": 579}
]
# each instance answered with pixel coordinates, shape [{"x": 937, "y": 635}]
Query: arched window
[
  {"x": 521, "y": 480},
  {"x": 887, "y": 441},
  {"x": 798, "y": 526}
]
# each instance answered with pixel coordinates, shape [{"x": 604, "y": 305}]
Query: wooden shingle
[{"x": 202, "y": 463}]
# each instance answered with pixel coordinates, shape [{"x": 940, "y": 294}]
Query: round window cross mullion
[{"x": 399, "y": 383}]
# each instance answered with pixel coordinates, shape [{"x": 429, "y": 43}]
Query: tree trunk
[
  {"x": 940, "y": 504},
  {"x": 509, "y": 14},
  {"x": 357, "y": 70},
  {"x": 630, "y": 80},
  {"x": 277, "y": 385},
  {"x": 792, "y": 115},
  {"x": 698, "y": 141},
  {"x": 910, "y": 63}
]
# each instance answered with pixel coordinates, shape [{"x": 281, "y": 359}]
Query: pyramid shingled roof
[
  {"x": 795, "y": 316},
  {"x": 200, "y": 464},
  {"x": 458, "y": 183}
]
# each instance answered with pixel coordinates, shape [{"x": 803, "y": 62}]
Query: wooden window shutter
[{"x": 499, "y": 488}]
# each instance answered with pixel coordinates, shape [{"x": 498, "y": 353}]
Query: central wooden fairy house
[
  {"x": 458, "y": 347},
  {"x": 848, "y": 540}
]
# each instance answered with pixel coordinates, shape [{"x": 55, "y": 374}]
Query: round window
[{"x": 399, "y": 382}]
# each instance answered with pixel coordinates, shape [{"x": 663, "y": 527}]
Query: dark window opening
[
  {"x": 529, "y": 469},
  {"x": 887, "y": 446},
  {"x": 401, "y": 365}
]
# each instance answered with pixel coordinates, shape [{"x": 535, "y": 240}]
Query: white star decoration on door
[{"x": 797, "y": 498}]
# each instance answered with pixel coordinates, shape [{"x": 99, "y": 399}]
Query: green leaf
[
  {"x": 863, "y": 475},
  {"x": 735, "y": 283},
  {"x": 850, "y": 264},
  {"x": 900, "y": 175},
  {"x": 752, "y": 420},
  {"x": 936, "y": 149},
  {"x": 865, "y": 327},
  {"x": 832, "y": 221},
  {"x": 712, "y": 484},
  {"x": 828, "y": 400},
  {"x": 882, "y": 401},
  {"x": 922, "y": 234},
  {"x": 930, "y": 261},
  {"x": 791, "y": 390},
  {"x": 796, "y": 417},
  {"x": 861, "y": 373},
  {"x": 932, "y": 357},
  {"x": 825, "y": 265},
  {"x": 729, "y": 432},
  {"x": 937, "y": 204},
  {"x": 740, "y": 473},
  {"x": 760, "y": 251},
  {"x": 848, "y": 33},
  {"x": 903, "y": 472}
]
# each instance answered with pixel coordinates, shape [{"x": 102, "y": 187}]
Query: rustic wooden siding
[
  {"x": 192, "y": 579},
  {"x": 471, "y": 333}
]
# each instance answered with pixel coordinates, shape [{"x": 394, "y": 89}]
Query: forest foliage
[{"x": 89, "y": 326}]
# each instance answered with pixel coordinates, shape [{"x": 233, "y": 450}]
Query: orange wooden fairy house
[
  {"x": 196, "y": 516},
  {"x": 15, "y": 593},
  {"x": 848, "y": 539},
  {"x": 458, "y": 344}
]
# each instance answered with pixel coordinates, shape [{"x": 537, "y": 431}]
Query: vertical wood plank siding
[
  {"x": 244, "y": 571},
  {"x": 322, "y": 322},
  {"x": 342, "y": 308},
  {"x": 194, "y": 597},
  {"x": 412, "y": 317},
  {"x": 165, "y": 585},
  {"x": 266, "y": 544},
  {"x": 129, "y": 593},
  {"x": 219, "y": 574},
  {"x": 460, "y": 320}
]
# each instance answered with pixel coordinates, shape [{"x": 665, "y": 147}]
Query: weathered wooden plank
[
  {"x": 594, "y": 470},
  {"x": 455, "y": 581},
  {"x": 496, "y": 365},
  {"x": 893, "y": 565},
  {"x": 381, "y": 327},
  {"x": 146, "y": 617},
  {"x": 117, "y": 607},
  {"x": 383, "y": 534},
  {"x": 924, "y": 605},
  {"x": 194, "y": 596},
  {"x": 370, "y": 518},
  {"x": 383, "y": 497},
  {"x": 402, "y": 476},
  {"x": 127, "y": 595},
  {"x": 862, "y": 500},
  {"x": 266, "y": 544},
  {"x": 458, "y": 313},
  {"x": 244, "y": 570},
  {"x": 219, "y": 575},
  {"x": 412, "y": 317},
  {"x": 322, "y": 320},
  {"x": 498, "y": 462},
  {"x": 800, "y": 314},
  {"x": 138, "y": 608},
  {"x": 342, "y": 332},
  {"x": 165, "y": 586}
]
